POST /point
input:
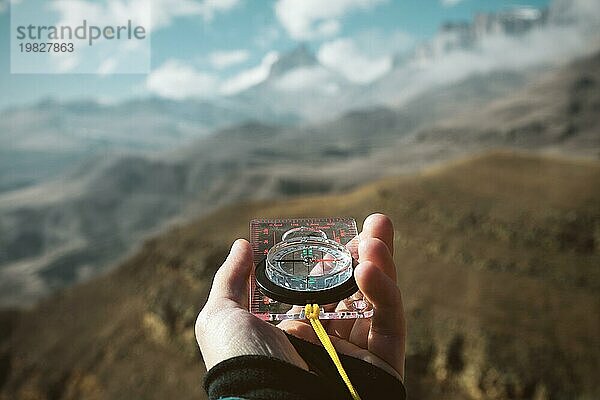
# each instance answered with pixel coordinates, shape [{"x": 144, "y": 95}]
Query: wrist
[{"x": 235, "y": 332}]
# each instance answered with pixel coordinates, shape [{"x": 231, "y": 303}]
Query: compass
[{"x": 307, "y": 267}]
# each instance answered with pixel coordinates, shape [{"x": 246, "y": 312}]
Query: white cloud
[
  {"x": 552, "y": 45},
  {"x": 104, "y": 56},
  {"x": 305, "y": 78},
  {"x": 153, "y": 14},
  {"x": 266, "y": 36},
  {"x": 342, "y": 55},
  {"x": 178, "y": 80},
  {"x": 308, "y": 19},
  {"x": 250, "y": 77},
  {"x": 108, "y": 66},
  {"x": 66, "y": 64},
  {"x": 450, "y": 3},
  {"x": 109, "y": 12},
  {"x": 585, "y": 12},
  {"x": 165, "y": 11},
  {"x": 5, "y": 3},
  {"x": 377, "y": 42},
  {"x": 209, "y": 8},
  {"x": 224, "y": 59}
]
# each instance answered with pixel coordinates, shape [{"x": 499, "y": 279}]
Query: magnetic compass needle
[{"x": 307, "y": 267}]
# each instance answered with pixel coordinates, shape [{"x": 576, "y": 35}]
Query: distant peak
[
  {"x": 47, "y": 101},
  {"x": 301, "y": 56}
]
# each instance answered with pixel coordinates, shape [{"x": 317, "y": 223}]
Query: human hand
[
  {"x": 225, "y": 328},
  {"x": 379, "y": 340}
]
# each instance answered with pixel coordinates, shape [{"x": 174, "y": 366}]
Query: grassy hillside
[{"x": 498, "y": 260}]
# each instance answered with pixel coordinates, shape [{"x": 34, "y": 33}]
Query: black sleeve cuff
[
  {"x": 268, "y": 378},
  {"x": 265, "y": 378},
  {"x": 370, "y": 381}
]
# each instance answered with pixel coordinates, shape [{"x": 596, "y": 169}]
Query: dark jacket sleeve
[{"x": 266, "y": 378}]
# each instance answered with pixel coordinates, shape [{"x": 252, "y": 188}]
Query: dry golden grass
[{"x": 497, "y": 258}]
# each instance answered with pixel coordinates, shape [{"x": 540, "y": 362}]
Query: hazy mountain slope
[
  {"x": 66, "y": 230},
  {"x": 53, "y": 135},
  {"x": 497, "y": 260},
  {"x": 560, "y": 110}
]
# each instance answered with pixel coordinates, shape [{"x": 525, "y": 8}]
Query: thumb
[{"x": 231, "y": 279}]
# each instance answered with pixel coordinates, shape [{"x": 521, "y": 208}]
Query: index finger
[
  {"x": 379, "y": 226},
  {"x": 387, "y": 333}
]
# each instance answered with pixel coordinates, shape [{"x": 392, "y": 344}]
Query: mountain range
[
  {"x": 497, "y": 259},
  {"x": 41, "y": 141},
  {"x": 69, "y": 229}
]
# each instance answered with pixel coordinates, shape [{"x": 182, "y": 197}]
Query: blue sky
[{"x": 224, "y": 46}]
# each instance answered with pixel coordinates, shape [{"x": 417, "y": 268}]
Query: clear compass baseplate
[{"x": 305, "y": 260}]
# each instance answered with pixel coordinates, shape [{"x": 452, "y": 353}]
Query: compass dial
[
  {"x": 305, "y": 267},
  {"x": 311, "y": 264}
]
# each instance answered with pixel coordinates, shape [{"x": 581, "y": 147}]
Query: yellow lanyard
[{"x": 312, "y": 312}]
